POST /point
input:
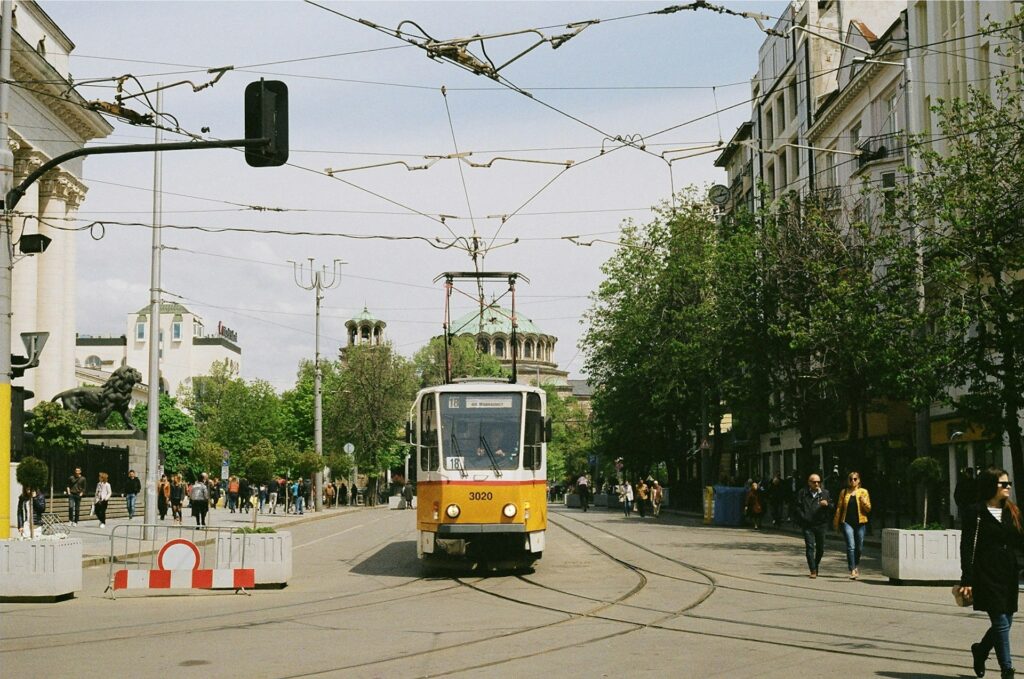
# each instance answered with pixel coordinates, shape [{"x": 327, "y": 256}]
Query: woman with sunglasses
[
  {"x": 988, "y": 562},
  {"x": 851, "y": 518}
]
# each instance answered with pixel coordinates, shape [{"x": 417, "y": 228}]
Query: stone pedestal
[
  {"x": 134, "y": 441},
  {"x": 921, "y": 555}
]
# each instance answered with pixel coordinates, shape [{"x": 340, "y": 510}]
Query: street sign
[{"x": 349, "y": 448}]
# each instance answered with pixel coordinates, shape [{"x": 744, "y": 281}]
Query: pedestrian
[
  {"x": 811, "y": 509},
  {"x": 754, "y": 505},
  {"x": 329, "y": 494},
  {"x": 243, "y": 494},
  {"x": 177, "y": 496},
  {"x": 408, "y": 494},
  {"x": 199, "y": 500},
  {"x": 297, "y": 499},
  {"x": 657, "y": 495},
  {"x": 626, "y": 497},
  {"x": 163, "y": 496},
  {"x": 75, "y": 490},
  {"x": 343, "y": 494},
  {"x": 642, "y": 496},
  {"x": 24, "y": 507},
  {"x": 776, "y": 500},
  {"x": 131, "y": 492},
  {"x": 215, "y": 488},
  {"x": 992, "y": 534},
  {"x": 103, "y": 494},
  {"x": 851, "y": 518},
  {"x": 232, "y": 493},
  {"x": 272, "y": 496},
  {"x": 38, "y": 507},
  {"x": 583, "y": 490}
]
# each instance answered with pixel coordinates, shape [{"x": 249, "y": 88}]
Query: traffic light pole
[{"x": 6, "y": 266}]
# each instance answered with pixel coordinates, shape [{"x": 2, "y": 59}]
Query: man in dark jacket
[
  {"x": 131, "y": 492},
  {"x": 813, "y": 510}
]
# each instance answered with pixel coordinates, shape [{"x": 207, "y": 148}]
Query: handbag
[{"x": 959, "y": 597}]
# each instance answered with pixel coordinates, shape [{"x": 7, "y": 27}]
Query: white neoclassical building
[
  {"x": 187, "y": 350},
  {"x": 47, "y": 118}
]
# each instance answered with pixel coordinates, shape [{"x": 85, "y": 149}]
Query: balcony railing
[
  {"x": 880, "y": 147},
  {"x": 826, "y": 198}
]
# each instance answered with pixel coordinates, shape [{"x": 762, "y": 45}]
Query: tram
[{"x": 481, "y": 451}]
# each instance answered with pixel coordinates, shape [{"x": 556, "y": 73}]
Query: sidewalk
[{"x": 96, "y": 540}]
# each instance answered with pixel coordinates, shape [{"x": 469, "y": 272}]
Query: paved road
[{"x": 611, "y": 598}]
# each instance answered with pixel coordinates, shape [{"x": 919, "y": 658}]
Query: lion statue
[{"x": 113, "y": 397}]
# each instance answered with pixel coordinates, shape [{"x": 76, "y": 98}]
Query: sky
[{"x": 359, "y": 97}]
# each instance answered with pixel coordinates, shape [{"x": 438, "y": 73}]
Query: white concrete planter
[
  {"x": 396, "y": 502},
  {"x": 572, "y": 500},
  {"x": 923, "y": 555},
  {"x": 270, "y": 554},
  {"x": 40, "y": 569}
]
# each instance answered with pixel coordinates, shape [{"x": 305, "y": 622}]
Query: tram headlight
[
  {"x": 452, "y": 511},
  {"x": 509, "y": 510},
  {"x": 526, "y": 510}
]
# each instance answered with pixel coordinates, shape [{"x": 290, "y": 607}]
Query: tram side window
[
  {"x": 429, "y": 455},
  {"x": 534, "y": 433}
]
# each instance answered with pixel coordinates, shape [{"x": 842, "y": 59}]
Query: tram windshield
[{"x": 481, "y": 431}]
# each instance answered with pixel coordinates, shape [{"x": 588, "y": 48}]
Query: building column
[
  {"x": 25, "y": 278},
  {"x": 76, "y": 194},
  {"x": 53, "y": 191}
]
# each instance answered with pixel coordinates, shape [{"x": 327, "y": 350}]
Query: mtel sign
[{"x": 226, "y": 332}]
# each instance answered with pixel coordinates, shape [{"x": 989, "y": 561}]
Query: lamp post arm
[{"x": 16, "y": 193}]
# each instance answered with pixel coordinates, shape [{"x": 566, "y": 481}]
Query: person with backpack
[{"x": 199, "y": 500}]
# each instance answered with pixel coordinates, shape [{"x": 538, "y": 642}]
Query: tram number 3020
[{"x": 481, "y": 496}]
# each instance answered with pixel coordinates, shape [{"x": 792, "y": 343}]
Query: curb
[{"x": 96, "y": 560}]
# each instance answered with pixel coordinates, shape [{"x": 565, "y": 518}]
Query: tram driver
[{"x": 493, "y": 437}]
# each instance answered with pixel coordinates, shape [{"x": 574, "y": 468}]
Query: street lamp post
[{"x": 318, "y": 282}]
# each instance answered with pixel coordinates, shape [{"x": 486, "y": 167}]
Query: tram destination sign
[{"x": 489, "y": 402}]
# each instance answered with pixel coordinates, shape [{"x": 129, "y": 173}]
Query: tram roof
[{"x": 482, "y": 385}]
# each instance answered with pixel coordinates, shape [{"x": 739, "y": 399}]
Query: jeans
[
  {"x": 627, "y": 507},
  {"x": 814, "y": 541},
  {"x": 299, "y": 504},
  {"x": 272, "y": 502},
  {"x": 854, "y": 537},
  {"x": 998, "y": 637},
  {"x": 74, "y": 507},
  {"x": 129, "y": 500}
]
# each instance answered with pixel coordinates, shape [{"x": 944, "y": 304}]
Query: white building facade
[
  {"x": 47, "y": 118},
  {"x": 187, "y": 350}
]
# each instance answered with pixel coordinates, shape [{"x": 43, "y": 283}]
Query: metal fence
[{"x": 161, "y": 556}]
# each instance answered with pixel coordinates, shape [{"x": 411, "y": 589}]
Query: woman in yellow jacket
[{"x": 851, "y": 518}]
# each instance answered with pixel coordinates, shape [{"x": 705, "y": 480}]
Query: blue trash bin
[{"x": 729, "y": 503}]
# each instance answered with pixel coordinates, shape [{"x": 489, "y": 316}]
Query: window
[
  {"x": 176, "y": 331},
  {"x": 140, "y": 331},
  {"x": 532, "y": 452},
  {"x": 528, "y": 349},
  {"x": 891, "y": 112},
  {"x": 429, "y": 457},
  {"x": 889, "y": 193},
  {"x": 780, "y": 107},
  {"x": 484, "y": 346},
  {"x": 855, "y": 137},
  {"x": 499, "y": 348},
  {"x": 93, "y": 362}
]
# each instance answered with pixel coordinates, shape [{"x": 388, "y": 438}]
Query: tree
[
  {"x": 232, "y": 412},
  {"x": 967, "y": 205},
  {"x": 258, "y": 462},
  {"x": 297, "y": 403},
  {"x": 924, "y": 471},
  {"x": 571, "y": 442},
  {"x": 376, "y": 389},
  {"x": 466, "y": 360},
  {"x": 178, "y": 436},
  {"x": 32, "y": 473}
]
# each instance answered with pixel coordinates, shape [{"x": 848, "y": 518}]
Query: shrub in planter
[
  {"x": 925, "y": 471},
  {"x": 33, "y": 473}
]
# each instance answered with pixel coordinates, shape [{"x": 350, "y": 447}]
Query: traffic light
[{"x": 266, "y": 117}]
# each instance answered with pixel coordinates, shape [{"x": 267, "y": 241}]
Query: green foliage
[
  {"x": 56, "y": 431},
  {"x": 257, "y": 530},
  {"x": 924, "y": 470},
  {"x": 258, "y": 462},
  {"x": 33, "y": 473},
  {"x": 571, "y": 440},
  {"x": 375, "y": 390},
  {"x": 466, "y": 359},
  {"x": 930, "y": 526},
  {"x": 205, "y": 456},
  {"x": 297, "y": 403},
  {"x": 178, "y": 435}
]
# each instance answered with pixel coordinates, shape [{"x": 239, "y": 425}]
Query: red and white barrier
[
  {"x": 215, "y": 578},
  {"x": 178, "y": 563}
]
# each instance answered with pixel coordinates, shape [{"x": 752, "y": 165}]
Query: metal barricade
[{"x": 170, "y": 556}]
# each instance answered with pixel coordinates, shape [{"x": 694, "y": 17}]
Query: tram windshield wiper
[
  {"x": 490, "y": 456},
  {"x": 458, "y": 455}
]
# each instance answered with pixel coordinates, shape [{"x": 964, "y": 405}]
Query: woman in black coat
[{"x": 992, "y": 534}]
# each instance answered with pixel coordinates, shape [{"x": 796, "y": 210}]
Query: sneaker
[
  {"x": 103, "y": 525},
  {"x": 813, "y": 575}
]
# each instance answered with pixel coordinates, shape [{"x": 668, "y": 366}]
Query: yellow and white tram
[{"x": 481, "y": 456}]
